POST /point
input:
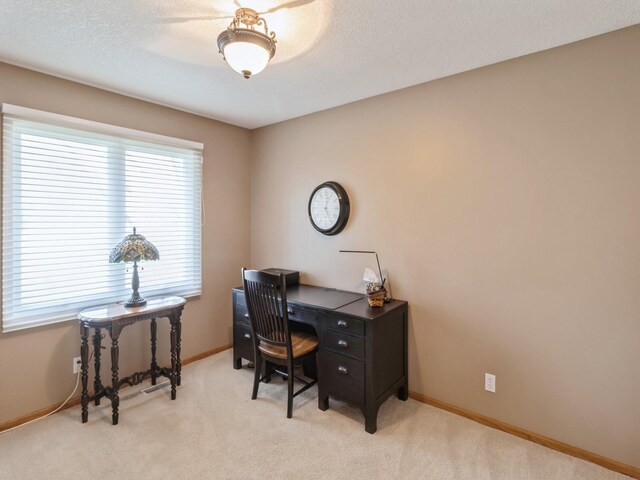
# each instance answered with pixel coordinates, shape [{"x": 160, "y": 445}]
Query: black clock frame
[{"x": 345, "y": 208}]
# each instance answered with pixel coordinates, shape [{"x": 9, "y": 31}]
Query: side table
[{"x": 114, "y": 318}]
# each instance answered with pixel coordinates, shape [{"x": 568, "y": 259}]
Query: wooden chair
[{"x": 273, "y": 341}]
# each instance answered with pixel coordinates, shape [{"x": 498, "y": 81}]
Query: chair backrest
[{"x": 266, "y": 297}]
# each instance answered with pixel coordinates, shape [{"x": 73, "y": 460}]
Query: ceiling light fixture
[{"x": 246, "y": 49}]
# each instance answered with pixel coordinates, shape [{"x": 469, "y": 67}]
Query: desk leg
[
  {"x": 323, "y": 402},
  {"x": 371, "y": 418},
  {"x": 403, "y": 391},
  {"x": 84, "y": 369},
  {"x": 154, "y": 341},
  {"x": 115, "y": 399},
  {"x": 174, "y": 356},
  {"x": 97, "y": 381}
]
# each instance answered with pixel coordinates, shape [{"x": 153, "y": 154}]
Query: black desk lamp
[{"x": 386, "y": 298}]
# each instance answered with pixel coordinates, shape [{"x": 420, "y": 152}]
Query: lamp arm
[
  {"x": 380, "y": 271},
  {"x": 377, "y": 260}
]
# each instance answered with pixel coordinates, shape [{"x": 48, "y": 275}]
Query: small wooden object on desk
[
  {"x": 376, "y": 295},
  {"x": 114, "y": 318}
]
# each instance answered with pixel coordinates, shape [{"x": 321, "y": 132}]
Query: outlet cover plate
[
  {"x": 490, "y": 382},
  {"x": 77, "y": 364}
]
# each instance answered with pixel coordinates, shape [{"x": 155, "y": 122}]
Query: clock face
[
  {"x": 329, "y": 208},
  {"x": 325, "y": 208}
]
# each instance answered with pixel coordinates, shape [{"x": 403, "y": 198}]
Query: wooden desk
[
  {"x": 362, "y": 354},
  {"x": 114, "y": 318}
]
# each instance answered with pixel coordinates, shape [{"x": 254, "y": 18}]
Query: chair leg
[
  {"x": 290, "y": 393},
  {"x": 256, "y": 375}
]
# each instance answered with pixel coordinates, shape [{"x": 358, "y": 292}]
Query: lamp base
[{"x": 135, "y": 301}]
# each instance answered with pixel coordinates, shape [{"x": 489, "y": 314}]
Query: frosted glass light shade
[
  {"x": 246, "y": 58},
  {"x": 247, "y": 50}
]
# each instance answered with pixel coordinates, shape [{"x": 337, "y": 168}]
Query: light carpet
[{"x": 213, "y": 430}]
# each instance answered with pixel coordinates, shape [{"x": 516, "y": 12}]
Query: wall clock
[{"x": 329, "y": 208}]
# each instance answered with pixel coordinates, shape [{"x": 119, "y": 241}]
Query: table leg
[
  {"x": 154, "y": 364},
  {"x": 84, "y": 370},
  {"x": 97, "y": 381},
  {"x": 174, "y": 356},
  {"x": 115, "y": 399},
  {"x": 178, "y": 342}
]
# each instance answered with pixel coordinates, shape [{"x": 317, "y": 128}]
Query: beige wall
[
  {"x": 504, "y": 204},
  {"x": 35, "y": 364}
]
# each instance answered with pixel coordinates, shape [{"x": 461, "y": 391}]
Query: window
[{"x": 72, "y": 189}]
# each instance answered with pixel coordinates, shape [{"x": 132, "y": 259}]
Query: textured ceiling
[{"x": 329, "y": 52}]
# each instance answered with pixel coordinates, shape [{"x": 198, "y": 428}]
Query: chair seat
[{"x": 301, "y": 344}]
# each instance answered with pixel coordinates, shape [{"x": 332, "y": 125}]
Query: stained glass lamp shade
[{"x": 134, "y": 248}]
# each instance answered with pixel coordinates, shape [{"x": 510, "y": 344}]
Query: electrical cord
[{"x": 57, "y": 409}]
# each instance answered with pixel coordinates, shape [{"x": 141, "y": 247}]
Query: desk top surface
[
  {"x": 117, "y": 311},
  {"x": 340, "y": 301},
  {"x": 327, "y": 298}
]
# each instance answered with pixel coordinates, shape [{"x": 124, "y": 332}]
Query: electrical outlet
[
  {"x": 490, "y": 382},
  {"x": 77, "y": 364}
]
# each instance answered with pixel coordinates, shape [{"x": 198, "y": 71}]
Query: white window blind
[{"x": 72, "y": 189}]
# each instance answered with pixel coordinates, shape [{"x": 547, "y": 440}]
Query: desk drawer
[
  {"x": 243, "y": 341},
  {"x": 241, "y": 314},
  {"x": 239, "y": 299},
  {"x": 301, "y": 314},
  {"x": 344, "y": 343},
  {"x": 349, "y": 325},
  {"x": 341, "y": 376},
  {"x": 296, "y": 313}
]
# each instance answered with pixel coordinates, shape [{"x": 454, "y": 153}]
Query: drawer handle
[
  {"x": 343, "y": 370},
  {"x": 343, "y": 323},
  {"x": 247, "y": 336},
  {"x": 246, "y": 315},
  {"x": 343, "y": 343}
]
